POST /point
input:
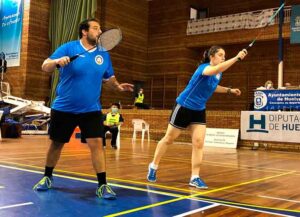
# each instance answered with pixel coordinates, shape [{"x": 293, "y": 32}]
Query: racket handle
[
  {"x": 239, "y": 59},
  {"x": 74, "y": 57},
  {"x": 71, "y": 59}
]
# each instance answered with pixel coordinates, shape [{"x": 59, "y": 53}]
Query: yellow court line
[
  {"x": 214, "y": 163},
  {"x": 83, "y": 154},
  {"x": 94, "y": 181},
  {"x": 226, "y": 165},
  {"x": 160, "y": 192},
  {"x": 45, "y": 152},
  {"x": 43, "y": 157},
  {"x": 113, "y": 179},
  {"x": 195, "y": 195},
  {"x": 238, "y": 166},
  {"x": 274, "y": 155}
]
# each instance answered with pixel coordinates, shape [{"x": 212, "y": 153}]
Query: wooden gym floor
[{"x": 241, "y": 182}]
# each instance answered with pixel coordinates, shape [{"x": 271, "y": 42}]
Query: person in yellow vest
[
  {"x": 111, "y": 122},
  {"x": 139, "y": 100}
]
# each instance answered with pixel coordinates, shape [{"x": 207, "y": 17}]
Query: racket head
[
  {"x": 109, "y": 39},
  {"x": 275, "y": 14}
]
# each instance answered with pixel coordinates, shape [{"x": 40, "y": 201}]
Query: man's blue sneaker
[
  {"x": 44, "y": 184},
  {"x": 151, "y": 174},
  {"x": 105, "y": 192},
  {"x": 198, "y": 183}
]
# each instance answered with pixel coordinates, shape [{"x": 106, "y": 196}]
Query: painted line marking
[
  {"x": 195, "y": 195},
  {"x": 179, "y": 196},
  {"x": 94, "y": 181},
  {"x": 278, "y": 198},
  {"x": 197, "y": 210},
  {"x": 16, "y": 205}
]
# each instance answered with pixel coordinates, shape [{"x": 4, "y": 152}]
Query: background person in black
[
  {"x": 139, "y": 100},
  {"x": 111, "y": 121}
]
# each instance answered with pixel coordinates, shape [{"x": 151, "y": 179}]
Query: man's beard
[{"x": 92, "y": 41}]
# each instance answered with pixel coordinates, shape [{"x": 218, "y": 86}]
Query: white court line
[
  {"x": 141, "y": 189},
  {"x": 238, "y": 207},
  {"x": 278, "y": 198},
  {"x": 197, "y": 210},
  {"x": 1, "y": 186},
  {"x": 16, "y": 205},
  {"x": 257, "y": 210}
]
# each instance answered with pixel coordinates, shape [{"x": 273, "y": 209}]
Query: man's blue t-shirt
[
  {"x": 199, "y": 89},
  {"x": 80, "y": 81}
]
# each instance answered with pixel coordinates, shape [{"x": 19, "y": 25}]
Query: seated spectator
[
  {"x": 111, "y": 122},
  {"x": 269, "y": 85},
  {"x": 287, "y": 85},
  {"x": 290, "y": 86},
  {"x": 139, "y": 100}
]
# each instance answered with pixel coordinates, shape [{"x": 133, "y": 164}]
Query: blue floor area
[
  {"x": 71, "y": 197},
  {"x": 77, "y": 198}
]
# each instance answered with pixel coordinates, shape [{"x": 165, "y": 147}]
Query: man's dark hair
[
  {"x": 116, "y": 104},
  {"x": 84, "y": 25}
]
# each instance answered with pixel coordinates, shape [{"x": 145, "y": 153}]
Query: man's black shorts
[{"x": 62, "y": 125}]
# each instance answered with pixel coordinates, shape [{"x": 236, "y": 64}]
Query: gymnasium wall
[
  {"x": 155, "y": 50},
  {"x": 130, "y": 57},
  {"x": 173, "y": 56}
]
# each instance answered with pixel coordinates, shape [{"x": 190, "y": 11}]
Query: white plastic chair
[
  {"x": 139, "y": 125},
  {"x": 118, "y": 137}
]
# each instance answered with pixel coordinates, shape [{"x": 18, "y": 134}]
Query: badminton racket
[
  {"x": 106, "y": 42},
  {"x": 263, "y": 28}
]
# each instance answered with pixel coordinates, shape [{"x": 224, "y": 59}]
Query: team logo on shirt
[
  {"x": 99, "y": 59},
  {"x": 218, "y": 76}
]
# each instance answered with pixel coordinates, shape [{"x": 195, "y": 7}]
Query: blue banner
[
  {"x": 274, "y": 100},
  {"x": 11, "y": 19},
  {"x": 295, "y": 24}
]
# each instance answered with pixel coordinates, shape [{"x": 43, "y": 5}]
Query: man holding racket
[{"x": 78, "y": 101}]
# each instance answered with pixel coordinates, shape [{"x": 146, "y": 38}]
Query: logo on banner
[
  {"x": 297, "y": 21},
  {"x": 260, "y": 100},
  {"x": 257, "y": 125}
]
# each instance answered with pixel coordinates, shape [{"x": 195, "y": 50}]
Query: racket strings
[{"x": 109, "y": 39}]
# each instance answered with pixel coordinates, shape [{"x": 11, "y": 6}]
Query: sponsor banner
[
  {"x": 270, "y": 126},
  {"x": 295, "y": 24},
  {"x": 218, "y": 137},
  {"x": 11, "y": 19},
  {"x": 274, "y": 100}
]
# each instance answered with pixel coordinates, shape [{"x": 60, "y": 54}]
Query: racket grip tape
[
  {"x": 239, "y": 59},
  {"x": 71, "y": 59}
]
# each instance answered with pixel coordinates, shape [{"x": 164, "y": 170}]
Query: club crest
[{"x": 99, "y": 59}]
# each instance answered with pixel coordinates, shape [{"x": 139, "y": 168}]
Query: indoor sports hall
[{"x": 149, "y": 108}]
